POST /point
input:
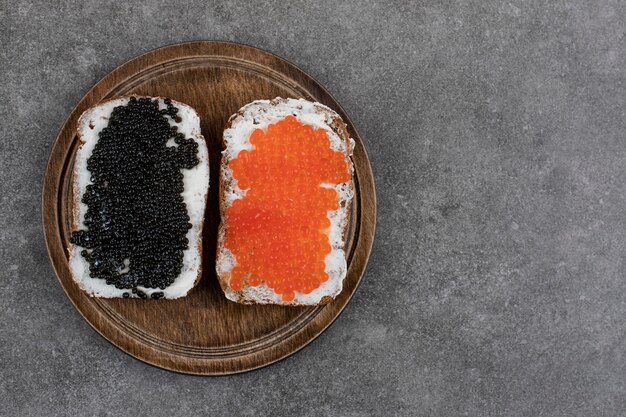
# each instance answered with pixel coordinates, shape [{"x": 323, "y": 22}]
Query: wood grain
[{"x": 204, "y": 333}]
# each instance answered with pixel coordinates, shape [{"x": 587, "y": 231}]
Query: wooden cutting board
[{"x": 204, "y": 333}]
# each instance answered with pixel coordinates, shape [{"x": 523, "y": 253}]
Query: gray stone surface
[{"x": 496, "y": 131}]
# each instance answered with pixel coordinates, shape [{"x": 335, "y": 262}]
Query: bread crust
[
  {"x": 76, "y": 196},
  {"x": 339, "y": 127}
]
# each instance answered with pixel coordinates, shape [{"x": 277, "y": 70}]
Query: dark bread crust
[
  {"x": 339, "y": 127},
  {"x": 76, "y": 194}
]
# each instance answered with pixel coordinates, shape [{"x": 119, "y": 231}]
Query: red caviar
[{"x": 279, "y": 232}]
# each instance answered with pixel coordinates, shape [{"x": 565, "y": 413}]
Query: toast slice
[
  {"x": 251, "y": 286},
  {"x": 135, "y": 276}
]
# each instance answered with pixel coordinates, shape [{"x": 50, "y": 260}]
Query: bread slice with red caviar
[
  {"x": 285, "y": 193},
  {"x": 169, "y": 206}
]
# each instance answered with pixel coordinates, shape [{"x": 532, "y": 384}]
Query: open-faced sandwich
[
  {"x": 285, "y": 192},
  {"x": 140, "y": 183}
]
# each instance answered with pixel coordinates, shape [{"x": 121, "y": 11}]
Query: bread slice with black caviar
[{"x": 140, "y": 184}]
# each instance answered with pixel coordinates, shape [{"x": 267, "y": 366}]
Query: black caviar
[{"x": 137, "y": 222}]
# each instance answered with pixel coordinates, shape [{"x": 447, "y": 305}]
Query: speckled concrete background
[{"x": 497, "y": 134}]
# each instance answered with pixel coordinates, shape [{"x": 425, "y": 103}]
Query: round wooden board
[{"x": 204, "y": 333}]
